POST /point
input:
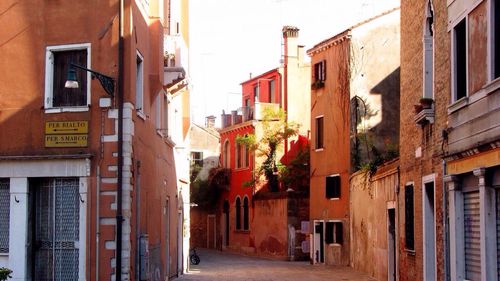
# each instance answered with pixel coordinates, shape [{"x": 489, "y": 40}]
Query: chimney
[
  {"x": 290, "y": 36},
  {"x": 210, "y": 121}
]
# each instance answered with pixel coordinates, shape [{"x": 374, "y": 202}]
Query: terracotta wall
[{"x": 369, "y": 237}]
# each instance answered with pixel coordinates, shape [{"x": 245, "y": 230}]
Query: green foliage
[
  {"x": 275, "y": 130},
  {"x": 203, "y": 194},
  {"x": 194, "y": 171},
  {"x": 5, "y": 273}
]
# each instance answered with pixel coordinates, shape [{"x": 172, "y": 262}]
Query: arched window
[
  {"x": 245, "y": 213},
  {"x": 226, "y": 155},
  {"x": 238, "y": 155},
  {"x": 238, "y": 213},
  {"x": 246, "y": 156}
]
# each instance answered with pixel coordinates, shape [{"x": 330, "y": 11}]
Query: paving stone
[{"x": 223, "y": 266}]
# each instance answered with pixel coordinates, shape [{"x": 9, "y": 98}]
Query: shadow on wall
[{"x": 380, "y": 142}]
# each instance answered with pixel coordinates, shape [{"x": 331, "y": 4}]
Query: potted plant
[
  {"x": 5, "y": 273},
  {"x": 426, "y": 102}
]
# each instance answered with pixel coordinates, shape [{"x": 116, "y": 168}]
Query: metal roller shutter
[{"x": 472, "y": 236}]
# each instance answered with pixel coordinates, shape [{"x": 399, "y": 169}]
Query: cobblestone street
[{"x": 216, "y": 265}]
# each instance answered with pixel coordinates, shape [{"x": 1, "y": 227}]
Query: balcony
[
  {"x": 424, "y": 112},
  {"x": 473, "y": 120},
  {"x": 247, "y": 113}
]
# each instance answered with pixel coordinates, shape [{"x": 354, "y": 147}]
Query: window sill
[
  {"x": 333, "y": 199},
  {"x": 242, "y": 231},
  {"x": 67, "y": 109},
  {"x": 141, "y": 114},
  {"x": 319, "y": 149},
  {"x": 410, "y": 252},
  {"x": 457, "y": 105},
  {"x": 4, "y": 254},
  {"x": 241, "y": 169}
]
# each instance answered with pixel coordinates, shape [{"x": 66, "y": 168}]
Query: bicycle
[{"x": 193, "y": 257}]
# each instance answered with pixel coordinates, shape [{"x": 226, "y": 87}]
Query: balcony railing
[{"x": 247, "y": 113}]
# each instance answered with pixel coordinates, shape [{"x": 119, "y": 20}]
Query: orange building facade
[{"x": 88, "y": 190}]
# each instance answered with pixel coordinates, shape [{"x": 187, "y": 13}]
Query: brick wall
[{"x": 421, "y": 146}]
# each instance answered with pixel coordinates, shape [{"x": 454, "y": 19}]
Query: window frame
[
  {"x": 226, "y": 156},
  {"x": 6, "y": 181},
  {"x": 196, "y": 160},
  {"x": 139, "y": 85},
  {"x": 49, "y": 77},
  {"x": 319, "y": 135},
  {"x": 494, "y": 30},
  {"x": 272, "y": 94},
  {"x": 453, "y": 60}
]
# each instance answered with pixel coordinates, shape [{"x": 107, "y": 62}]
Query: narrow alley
[{"x": 217, "y": 266}]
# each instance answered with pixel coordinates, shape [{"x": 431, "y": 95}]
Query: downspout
[
  {"x": 285, "y": 92},
  {"x": 446, "y": 225},
  {"x": 97, "y": 233},
  {"x": 138, "y": 220},
  {"x": 119, "y": 185}
]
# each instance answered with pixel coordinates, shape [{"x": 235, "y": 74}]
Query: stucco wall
[{"x": 369, "y": 225}]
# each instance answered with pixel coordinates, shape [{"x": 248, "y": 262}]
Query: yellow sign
[
  {"x": 66, "y": 140},
  {"x": 66, "y": 127}
]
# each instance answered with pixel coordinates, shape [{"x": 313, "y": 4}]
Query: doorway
[
  {"x": 211, "y": 240},
  {"x": 55, "y": 229},
  {"x": 391, "y": 245},
  {"x": 429, "y": 232},
  {"x": 319, "y": 240}
]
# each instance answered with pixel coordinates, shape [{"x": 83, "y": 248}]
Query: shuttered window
[
  {"x": 472, "y": 237},
  {"x": 319, "y": 132},
  {"x": 4, "y": 215},
  {"x": 245, "y": 214},
  {"x": 409, "y": 218},
  {"x": 65, "y": 96}
]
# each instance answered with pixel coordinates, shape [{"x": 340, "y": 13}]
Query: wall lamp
[{"x": 107, "y": 83}]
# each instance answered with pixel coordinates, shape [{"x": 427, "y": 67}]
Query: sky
[{"x": 229, "y": 39}]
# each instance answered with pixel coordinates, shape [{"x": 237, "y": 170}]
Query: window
[
  {"x": 319, "y": 74},
  {"x": 238, "y": 155},
  {"x": 256, "y": 92},
  {"x": 197, "y": 158},
  {"x": 409, "y": 218},
  {"x": 4, "y": 215},
  {"x": 246, "y": 156},
  {"x": 238, "y": 213},
  {"x": 319, "y": 133},
  {"x": 496, "y": 38},
  {"x": 271, "y": 91},
  {"x": 226, "y": 154},
  {"x": 333, "y": 233},
  {"x": 139, "y": 83},
  {"x": 165, "y": 125},
  {"x": 245, "y": 213},
  {"x": 460, "y": 60},
  {"x": 58, "y": 59},
  {"x": 333, "y": 187},
  {"x": 428, "y": 51}
]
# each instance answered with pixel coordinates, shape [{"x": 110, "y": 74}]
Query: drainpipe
[
  {"x": 138, "y": 221},
  {"x": 97, "y": 234},
  {"x": 119, "y": 186},
  {"x": 446, "y": 225}
]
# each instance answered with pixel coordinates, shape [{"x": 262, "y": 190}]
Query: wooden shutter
[
  {"x": 69, "y": 97},
  {"x": 329, "y": 232},
  {"x": 409, "y": 218},
  {"x": 339, "y": 233},
  {"x": 472, "y": 237},
  {"x": 323, "y": 70}
]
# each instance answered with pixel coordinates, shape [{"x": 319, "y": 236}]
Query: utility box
[{"x": 144, "y": 257}]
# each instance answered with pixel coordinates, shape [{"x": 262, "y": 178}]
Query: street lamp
[{"x": 107, "y": 83}]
